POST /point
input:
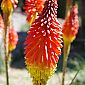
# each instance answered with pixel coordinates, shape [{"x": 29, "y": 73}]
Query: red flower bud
[
  {"x": 71, "y": 25},
  {"x": 12, "y": 39}
]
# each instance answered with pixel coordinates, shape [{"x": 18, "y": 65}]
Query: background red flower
[
  {"x": 71, "y": 25},
  {"x": 32, "y": 8},
  {"x": 12, "y": 38}
]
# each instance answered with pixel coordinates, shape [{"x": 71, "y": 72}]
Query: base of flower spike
[{"x": 41, "y": 74}]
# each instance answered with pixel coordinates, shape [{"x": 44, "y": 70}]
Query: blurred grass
[
  {"x": 80, "y": 79},
  {"x": 1, "y": 65},
  {"x": 79, "y": 83}
]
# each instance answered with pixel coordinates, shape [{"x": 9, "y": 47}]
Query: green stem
[
  {"x": 65, "y": 58},
  {"x": 68, "y": 7},
  {"x": 7, "y": 76},
  {"x": 6, "y": 26},
  {"x": 7, "y": 20},
  {"x": 74, "y": 77},
  {"x": 6, "y": 54}
]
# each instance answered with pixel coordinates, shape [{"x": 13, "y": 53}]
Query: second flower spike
[{"x": 71, "y": 25}]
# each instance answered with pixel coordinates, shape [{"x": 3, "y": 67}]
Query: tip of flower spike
[{"x": 7, "y": 5}]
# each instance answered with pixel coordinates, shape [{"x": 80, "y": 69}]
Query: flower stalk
[
  {"x": 66, "y": 52},
  {"x": 6, "y": 19},
  {"x": 7, "y": 9},
  {"x": 6, "y": 54},
  {"x": 70, "y": 29},
  {"x": 68, "y": 6}
]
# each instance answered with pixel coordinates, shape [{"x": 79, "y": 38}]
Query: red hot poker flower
[
  {"x": 1, "y": 26},
  {"x": 12, "y": 39},
  {"x": 71, "y": 25},
  {"x": 44, "y": 43},
  {"x": 32, "y": 8}
]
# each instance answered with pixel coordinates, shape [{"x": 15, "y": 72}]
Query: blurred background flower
[
  {"x": 71, "y": 25},
  {"x": 13, "y": 39},
  {"x": 33, "y": 8},
  {"x": 1, "y": 27}
]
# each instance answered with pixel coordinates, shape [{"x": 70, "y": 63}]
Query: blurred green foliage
[
  {"x": 78, "y": 83},
  {"x": 1, "y": 64},
  {"x": 61, "y": 8},
  {"x": 75, "y": 1},
  {"x": 25, "y": 27}
]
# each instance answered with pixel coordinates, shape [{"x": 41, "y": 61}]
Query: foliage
[{"x": 1, "y": 64}]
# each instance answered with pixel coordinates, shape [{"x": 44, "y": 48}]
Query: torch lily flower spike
[
  {"x": 32, "y": 8},
  {"x": 71, "y": 25},
  {"x": 12, "y": 39},
  {"x": 43, "y": 44}
]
